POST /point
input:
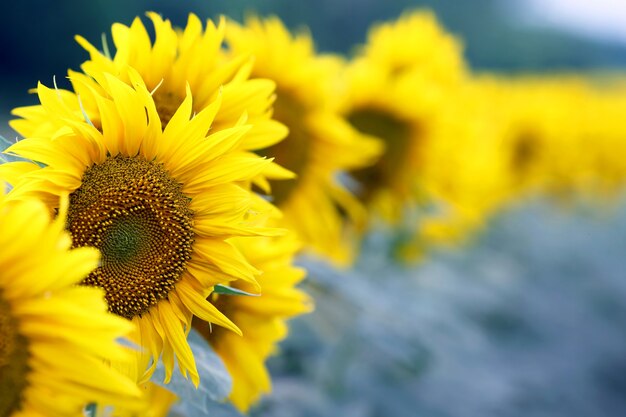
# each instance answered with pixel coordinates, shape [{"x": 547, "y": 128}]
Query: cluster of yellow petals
[
  {"x": 156, "y": 148},
  {"x": 461, "y": 146},
  {"x": 56, "y": 337},
  {"x": 214, "y": 154}
]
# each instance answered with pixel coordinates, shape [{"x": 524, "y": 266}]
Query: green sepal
[{"x": 226, "y": 290}]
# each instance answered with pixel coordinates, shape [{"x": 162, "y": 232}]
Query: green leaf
[
  {"x": 90, "y": 410},
  {"x": 225, "y": 290}
]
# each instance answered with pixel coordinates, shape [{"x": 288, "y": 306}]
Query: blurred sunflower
[
  {"x": 541, "y": 125},
  {"x": 55, "y": 337},
  {"x": 395, "y": 89},
  {"x": 261, "y": 319},
  {"x": 466, "y": 167},
  {"x": 603, "y": 114},
  {"x": 320, "y": 146},
  {"x": 505, "y": 139},
  {"x": 416, "y": 42},
  {"x": 158, "y": 403},
  {"x": 161, "y": 205},
  {"x": 176, "y": 60}
]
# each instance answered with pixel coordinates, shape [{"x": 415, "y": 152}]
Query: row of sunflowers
[{"x": 172, "y": 188}]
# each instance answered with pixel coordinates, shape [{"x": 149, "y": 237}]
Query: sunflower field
[{"x": 308, "y": 210}]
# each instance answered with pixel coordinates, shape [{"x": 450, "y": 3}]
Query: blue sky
[{"x": 602, "y": 19}]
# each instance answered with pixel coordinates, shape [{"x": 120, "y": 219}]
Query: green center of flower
[
  {"x": 397, "y": 136},
  {"x": 139, "y": 218},
  {"x": 126, "y": 238},
  {"x": 294, "y": 151},
  {"x": 13, "y": 361}
]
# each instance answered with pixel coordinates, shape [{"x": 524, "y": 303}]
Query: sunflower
[
  {"x": 520, "y": 136},
  {"x": 161, "y": 205},
  {"x": 320, "y": 147},
  {"x": 158, "y": 403},
  {"x": 395, "y": 89},
  {"x": 416, "y": 41},
  {"x": 541, "y": 122},
  {"x": 176, "y": 60},
  {"x": 261, "y": 319},
  {"x": 55, "y": 336},
  {"x": 465, "y": 173},
  {"x": 563, "y": 132},
  {"x": 604, "y": 128}
]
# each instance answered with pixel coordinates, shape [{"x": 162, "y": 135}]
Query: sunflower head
[
  {"x": 395, "y": 89},
  {"x": 464, "y": 173},
  {"x": 176, "y": 62},
  {"x": 416, "y": 42},
  {"x": 541, "y": 124},
  {"x": 262, "y": 319},
  {"x": 160, "y": 203},
  {"x": 320, "y": 146},
  {"x": 602, "y": 111},
  {"x": 55, "y": 337},
  {"x": 138, "y": 216}
]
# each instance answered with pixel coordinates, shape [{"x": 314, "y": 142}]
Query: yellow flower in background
[
  {"x": 158, "y": 403},
  {"x": 395, "y": 89},
  {"x": 55, "y": 337},
  {"x": 466, "y": 173},
  {"x": 605, "y": 130},
  {"x": 177, "y": 59},
  {"x": 320, "y": 145},
  {"x": 540, "y": 122},
  {"x": 415, "y": 42},
  {"x": 503, "y": 140},
  {"x": 261, "y": 319},
  {"x": 161, "y": 205}
]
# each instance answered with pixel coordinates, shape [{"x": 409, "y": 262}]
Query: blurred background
[
  {"x": 509, "y": 35},
  {"x": 528, "y": 321}
]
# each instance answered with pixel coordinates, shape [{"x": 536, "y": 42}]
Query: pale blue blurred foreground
[{"x": 528, "y": 321}]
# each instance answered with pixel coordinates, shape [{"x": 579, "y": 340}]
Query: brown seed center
[
  {"x": 139, "y": 218},
  {"x": 13, "y": 361},
  {"x": 525, "y": 152},
  {"x": 166, "y": 104},
  {"x": 397, "y": 136},
  {"x": 294, "y": 151}
]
